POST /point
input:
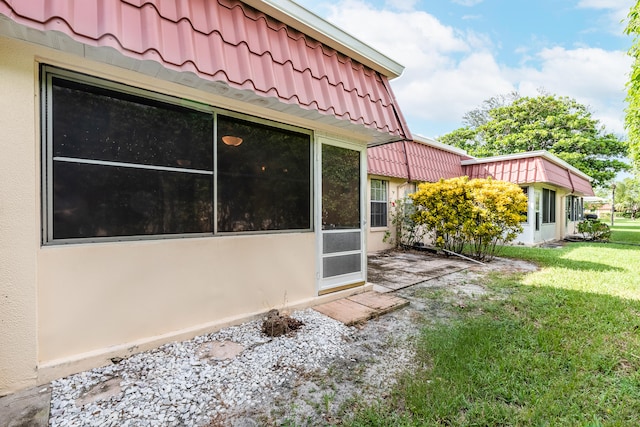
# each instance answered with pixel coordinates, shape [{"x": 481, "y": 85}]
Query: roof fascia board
[
  {"x": 540, "y": 153},
  {"x": 309, "y": 23},
  {"x": 439, "y": 145}
]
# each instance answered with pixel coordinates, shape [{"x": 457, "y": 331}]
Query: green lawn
[
  {"x": 560, "y": 346},
  {"x": 626, "y": 231}
]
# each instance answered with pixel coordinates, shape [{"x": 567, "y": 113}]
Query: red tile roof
[
  {"x": 429, "y": 161},
  {"x": 228, "y": 41},
  {"x": 414, "y": 161},
  {"x": 431, "y": 164},
  {"x": 530, "y": 168}
]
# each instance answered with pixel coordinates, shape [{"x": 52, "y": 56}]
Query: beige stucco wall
[
  {"x": 375, "y": 235},
  {"x": 97, "y": 296},
  {"x": 19, "y": 221},
  {"x": 65, "y": 308}
]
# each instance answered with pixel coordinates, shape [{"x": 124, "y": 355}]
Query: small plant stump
[{"x": 276, "y": 324}]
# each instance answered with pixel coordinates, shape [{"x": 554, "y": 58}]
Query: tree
[
  {"x": 632, "y": 118},
  {"x": 480, "y": 213},
  {"x": 559, "y": 125},
  {"x": 628, "y": 196}
]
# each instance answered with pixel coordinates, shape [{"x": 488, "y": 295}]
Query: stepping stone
[
  {"x": 361, "y": 307},
  {"x": 346, "y": 311},
  {"x": 382, "y": 303}
]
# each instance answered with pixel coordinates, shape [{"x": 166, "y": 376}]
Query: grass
[
  {"x": 626, "y": 231},
  {"x": 560, "y": 346}
]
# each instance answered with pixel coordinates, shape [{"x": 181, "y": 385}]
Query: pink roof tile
[
  {"x": 431, "y": 164},
  {"x": 228, "y": 41},
  {"x": 419, "y": 162},
  {"x": 387, "y": 160},
  {"x": 529, "y": 170}
]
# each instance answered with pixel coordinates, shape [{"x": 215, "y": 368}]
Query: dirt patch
[
  {"x": 276, "y": 324},
  {"x": 379, "y": 350}
]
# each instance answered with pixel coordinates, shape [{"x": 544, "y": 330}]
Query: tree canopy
[
  {"x": 632, "y": 118},
  {"x": 628, "y": 196},
  {"x": 560, "y": 125}
]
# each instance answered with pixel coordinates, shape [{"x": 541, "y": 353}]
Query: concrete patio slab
[
  {"x": 398, "y": 270},
  {"x": 27, "y": 408}
]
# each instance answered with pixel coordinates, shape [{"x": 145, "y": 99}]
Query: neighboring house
[
  {"x": 169, "y": 167},
  {"x": 597, "y": 206},
  {"x": 555, "y": 189},
  {"x": 395, "y": 169}
]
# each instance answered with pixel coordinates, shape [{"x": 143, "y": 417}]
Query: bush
[
  {"x": 593, "y": 229},
  {"x": 405, "y": 230},
  {"x": 480, "y": 213}
]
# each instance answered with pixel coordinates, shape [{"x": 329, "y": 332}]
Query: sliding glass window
[{"x": 123, "y": 162}]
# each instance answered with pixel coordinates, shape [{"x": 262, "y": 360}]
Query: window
[
  {"x": 263, "y": 183},
  {"x": 574, "y": 208},
  {"x": 340, "y": 188},
  {"x": 525, "y": 213},
  {"x": 548, "y": 206},
  {"x": 121, "y": 162},
  {"x": 378, "y": 203}
]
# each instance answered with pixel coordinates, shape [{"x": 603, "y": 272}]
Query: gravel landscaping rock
[{"x": 173, "y": 386}]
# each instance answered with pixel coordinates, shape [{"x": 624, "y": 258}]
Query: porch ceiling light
[{"x": 233, "y": 141}]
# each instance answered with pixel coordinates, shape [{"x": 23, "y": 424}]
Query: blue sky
[{"x": 458, "y": 53}]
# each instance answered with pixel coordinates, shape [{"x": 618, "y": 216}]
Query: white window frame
[{"x": 379, "y": 196}]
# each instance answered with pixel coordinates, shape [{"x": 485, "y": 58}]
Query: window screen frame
[
  {"x": 548, "y": 206},
  {"x": 48, "y": 72},
  {"x": 385, "y": 202}
]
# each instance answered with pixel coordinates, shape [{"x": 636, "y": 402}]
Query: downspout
[
  {"x": 406, "y": 159},
  {"x": 573, "y": 189}
]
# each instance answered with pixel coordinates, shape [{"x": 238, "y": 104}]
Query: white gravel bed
[{"x": 173, "y": 386}]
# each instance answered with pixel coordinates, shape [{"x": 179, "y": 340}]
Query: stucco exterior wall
[
  {"x": 550, "y": 231},
  {"x": 19, "y": 191},
  {"x": 396, "y": 188},
  {"x": 66, "y": 308}
]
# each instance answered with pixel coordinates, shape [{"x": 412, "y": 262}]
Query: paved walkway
[
  {"x": 387, "y": 271},
  {"x": 390, "y": 271}
]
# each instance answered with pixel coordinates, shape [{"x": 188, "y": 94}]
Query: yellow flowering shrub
[{"x": 478, "y": 213}]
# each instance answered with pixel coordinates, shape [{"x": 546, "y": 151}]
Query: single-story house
[
  {"x": 555, "y": 189},
  {"x": 170, "y": 167},
  {"x": 395, "y": 169},
  {"x": 598, "y": 206}
]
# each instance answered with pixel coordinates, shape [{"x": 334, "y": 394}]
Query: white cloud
[
  {"x": 403, "y": 5},
  {"x": 616, "y": 11},
  {"x": 446, "y": 93},
  {"x": 594, "y": 77},
  {"x": 467, "y": 2},
  {"x": 416, "y": 39},
  {"x": 447, "y": 72}
]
